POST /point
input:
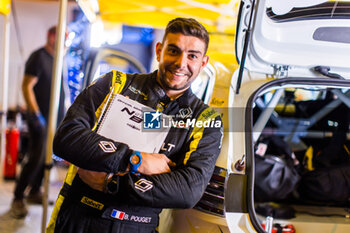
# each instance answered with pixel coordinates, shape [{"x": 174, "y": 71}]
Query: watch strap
[{"x": 134, "y": 167}]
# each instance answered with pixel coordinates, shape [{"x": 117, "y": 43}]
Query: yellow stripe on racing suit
[{"x": 118, "y": 81}]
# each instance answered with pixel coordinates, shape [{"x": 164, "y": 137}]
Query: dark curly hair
[{"x": 188, "y": 27}]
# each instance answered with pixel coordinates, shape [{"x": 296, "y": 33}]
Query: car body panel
[{"x": 292, "y": 44}]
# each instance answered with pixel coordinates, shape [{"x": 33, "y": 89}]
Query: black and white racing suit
[{"x": 140, "y": 198}]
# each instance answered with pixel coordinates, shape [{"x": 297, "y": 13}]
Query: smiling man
[
  {"x": 181, "y": 58},
  {"x": 122, "y": 190}
]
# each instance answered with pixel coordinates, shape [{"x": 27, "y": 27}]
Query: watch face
[{"x": 135, "y": 159}]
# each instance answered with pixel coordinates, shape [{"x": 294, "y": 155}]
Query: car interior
[{"x": 302, "y": 157}]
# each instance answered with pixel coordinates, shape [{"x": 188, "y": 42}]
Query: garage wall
[{"x": 34, "y": 18}]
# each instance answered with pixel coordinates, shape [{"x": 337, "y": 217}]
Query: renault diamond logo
[
  {"x": 107, "y": 147},
  {"x": 185, "y": 112},
  {"x": 143, "y": 185}
]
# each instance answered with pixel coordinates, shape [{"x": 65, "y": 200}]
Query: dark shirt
[{"x": 40, "y": 64}]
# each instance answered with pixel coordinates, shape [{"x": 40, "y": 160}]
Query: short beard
[{"x": 167, "y": 87}]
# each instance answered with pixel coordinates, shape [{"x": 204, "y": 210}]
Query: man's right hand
[{"x": 153, "y": 163}]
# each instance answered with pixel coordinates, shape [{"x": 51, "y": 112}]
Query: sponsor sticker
[
  {"x": 217, "y": 102},
  {"x": 91, "y": 203},
  {"x": 138, "y": 92},
  {"x": 118, "y": 77}
]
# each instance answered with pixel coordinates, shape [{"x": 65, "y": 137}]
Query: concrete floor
[{"x": 33, "y": 221}]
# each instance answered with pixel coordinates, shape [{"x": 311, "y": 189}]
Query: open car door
[{"x": 293, "y": 84}]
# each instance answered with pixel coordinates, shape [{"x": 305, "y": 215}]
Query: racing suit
[{"x": 139, "y": 199}]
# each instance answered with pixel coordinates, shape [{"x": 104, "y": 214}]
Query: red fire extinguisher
[{"x": 12, "y": 141}]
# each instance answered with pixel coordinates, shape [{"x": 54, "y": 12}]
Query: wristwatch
[{"x": 135, "y": 161}]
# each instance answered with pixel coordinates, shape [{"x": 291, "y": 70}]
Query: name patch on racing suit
[
  {"x": 133, "y": 218},
  {"x": 128, "y": 215}
]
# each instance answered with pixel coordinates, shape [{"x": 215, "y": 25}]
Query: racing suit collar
[
  {"x": 158, "y": 90},
  {"x": 183, "y": 100}
]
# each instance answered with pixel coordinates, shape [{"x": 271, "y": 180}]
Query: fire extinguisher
[{"x": 12, "y": 143}]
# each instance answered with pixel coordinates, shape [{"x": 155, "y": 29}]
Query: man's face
[
  {"x": 181, "y": 58},
  {"x": 51, "y": 40}
]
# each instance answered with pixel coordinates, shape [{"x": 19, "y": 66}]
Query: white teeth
[{"x": 179, "y": 74}]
